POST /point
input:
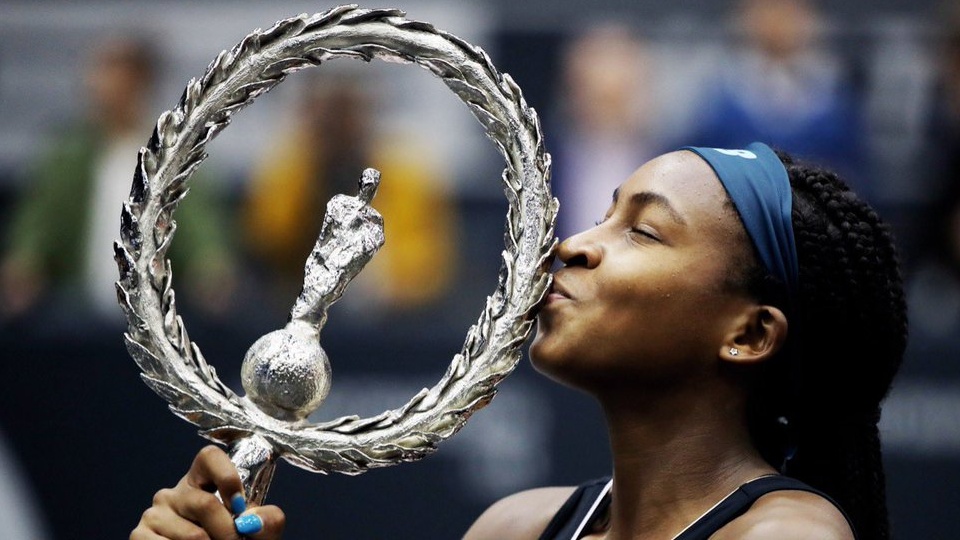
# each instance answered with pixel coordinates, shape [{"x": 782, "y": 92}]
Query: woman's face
[{"x": 641, "y": 296}]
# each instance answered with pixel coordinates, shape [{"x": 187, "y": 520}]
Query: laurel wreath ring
[{"x": 156, "y": 338}]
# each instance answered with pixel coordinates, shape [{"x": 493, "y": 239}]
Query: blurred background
[{"x": 871, "y": 88}]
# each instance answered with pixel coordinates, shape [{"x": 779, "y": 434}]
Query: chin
[
  {"x": 547, "y": 355},
  {"x": 560, "y": 373},
  {"x": 537, "y": 346}
]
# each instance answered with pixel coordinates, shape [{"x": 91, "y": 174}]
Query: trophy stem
[{"x": 256, "y": 461}]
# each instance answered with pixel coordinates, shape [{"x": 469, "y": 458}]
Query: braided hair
[{"x": 847, "y": 336}]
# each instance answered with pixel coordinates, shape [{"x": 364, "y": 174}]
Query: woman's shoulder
[
  {"x": 520, "y": 516},
  {"x": 788, "y": 514}
]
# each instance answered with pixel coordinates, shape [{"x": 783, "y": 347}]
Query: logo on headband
[{"x": 746, "y": 154}]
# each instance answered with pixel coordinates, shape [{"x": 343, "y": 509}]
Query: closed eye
[
  {"x": 646, "y": 232},
  {"x": 634, "y": 230}
]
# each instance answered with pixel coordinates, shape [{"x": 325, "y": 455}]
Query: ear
[{"x": 757, "y": 335}]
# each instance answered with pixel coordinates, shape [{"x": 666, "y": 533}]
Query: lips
[{"x": 558, "y": 292}]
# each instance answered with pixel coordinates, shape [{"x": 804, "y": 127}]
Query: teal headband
[{"x": 757, "y": 182}]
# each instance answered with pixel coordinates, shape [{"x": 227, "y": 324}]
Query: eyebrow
[{"x": 650, "y": 198}]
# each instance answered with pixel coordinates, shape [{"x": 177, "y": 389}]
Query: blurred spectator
[
  {"x": 20, "y": 512},
  {"x": 604, "y": 126},
  {"x": 780, "y": 85},
  {"x": 61, "y": 239},
  {"x": 324, "y": 153},
  {"x": 935, "y": 283}
]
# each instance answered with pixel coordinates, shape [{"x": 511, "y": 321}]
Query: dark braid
[{"x": 847, "y": 335}]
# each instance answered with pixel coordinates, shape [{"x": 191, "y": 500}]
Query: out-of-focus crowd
[
  {"x": 58, "y": 250},
  {"x": 780, "y": 75}
]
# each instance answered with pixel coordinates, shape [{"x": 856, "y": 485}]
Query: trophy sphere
[{"x": 286, "y": 373}]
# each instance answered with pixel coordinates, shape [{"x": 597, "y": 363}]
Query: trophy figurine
[{"x": 286, "y": 373}]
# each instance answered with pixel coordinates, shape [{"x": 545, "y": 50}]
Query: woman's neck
[{"x": 674, "y": 457}]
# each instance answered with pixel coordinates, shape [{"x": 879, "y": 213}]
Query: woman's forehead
[{"x": 684, "y": 179}]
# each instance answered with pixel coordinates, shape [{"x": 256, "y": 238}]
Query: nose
[{"x": 580, "y": 250}]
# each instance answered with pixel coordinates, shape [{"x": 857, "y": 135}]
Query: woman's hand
[{"x": 191, "y": 511}]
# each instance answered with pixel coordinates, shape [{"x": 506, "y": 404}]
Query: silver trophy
[{"x": 286, "y": 374}]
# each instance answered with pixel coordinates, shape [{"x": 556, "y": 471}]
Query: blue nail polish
[
  {"x": 248, "y": 524},
  {"x": 238, "y": 504}
]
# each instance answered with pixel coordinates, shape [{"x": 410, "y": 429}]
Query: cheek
[
  {"x": 637, "y": 323},
  {"x": 577, "y": 344}
]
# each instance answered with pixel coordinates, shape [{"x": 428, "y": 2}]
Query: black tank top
[{"x": 579, "y": 514}]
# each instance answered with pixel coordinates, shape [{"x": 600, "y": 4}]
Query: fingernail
[
  {"x": 248, "y": 524},
  {"x": 238, "y": 504}
]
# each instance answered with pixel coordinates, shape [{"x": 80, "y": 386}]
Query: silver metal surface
[{"x": 286, "y": 373}]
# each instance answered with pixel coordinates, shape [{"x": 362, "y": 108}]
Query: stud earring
[{"x": 734, "y": 351}]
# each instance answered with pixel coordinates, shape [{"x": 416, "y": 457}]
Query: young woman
[{"x": 740, "y": 318}]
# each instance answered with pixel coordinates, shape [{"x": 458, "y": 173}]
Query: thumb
[{"x": 261, "y": 523}]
